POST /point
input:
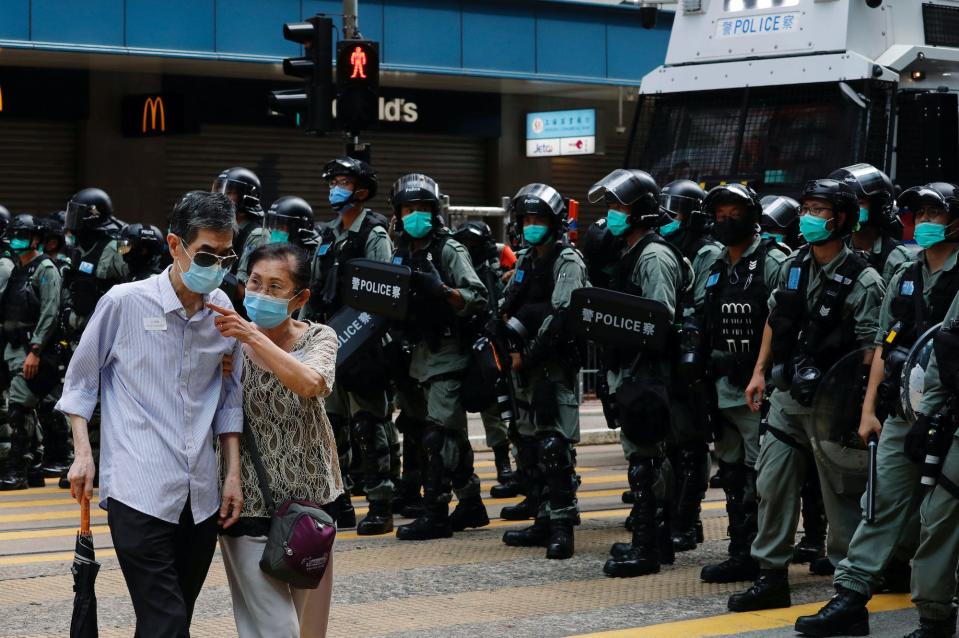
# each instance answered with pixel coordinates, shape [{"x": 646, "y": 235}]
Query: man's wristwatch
[{"x": 35, "y": 349}]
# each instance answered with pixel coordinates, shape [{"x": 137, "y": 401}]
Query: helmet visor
[
  {"x": 779, "y": 211},
  {"x": 621, "y": 185},
  {"x": 539, "y": 199},
  {"x": 869, "y": 178},
  {"x": 679, "y": 204},
  {"x": 415, "y": 187},
  {"x": 78, "y": 215},
  {"x": 914, "y": 199}
]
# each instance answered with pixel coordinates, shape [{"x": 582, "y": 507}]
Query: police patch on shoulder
[
  {"x": 794, "y": 276},
  {"x": 713, "y": 279},
  {"x": 398, "y": 261},
  {"x": 325, "y": 248},
  {"x": 908, "y": 287},
  {"x": 520, "y": 274}
]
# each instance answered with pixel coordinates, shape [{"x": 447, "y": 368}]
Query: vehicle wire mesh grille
[{"x": 941, "y": 25}]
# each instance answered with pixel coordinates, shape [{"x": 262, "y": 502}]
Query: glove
[
  {"x": 428, "y": 282},
  {"x": 915, "y": 446}
]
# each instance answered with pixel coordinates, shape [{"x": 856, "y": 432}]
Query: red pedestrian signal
[
  {"x": 357, "y": 84},
  {"x": 358, "y": 60}
]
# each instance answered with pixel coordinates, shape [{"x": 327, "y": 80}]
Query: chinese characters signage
[{"x": 561, "y": 133}]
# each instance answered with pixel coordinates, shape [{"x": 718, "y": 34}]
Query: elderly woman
[{"x": 288, "y": 369}]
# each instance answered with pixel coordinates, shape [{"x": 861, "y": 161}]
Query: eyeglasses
[
  {"x": 206, "y": 260},
  {"x": 254, "y": 284},
  {"x": 818, "y": 211},
  {"x": 342, "y": 181}
]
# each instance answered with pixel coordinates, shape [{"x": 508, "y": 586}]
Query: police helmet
[
  {"x": 733, "y": 194},
  {"x": 290, "y": 218},
  {"x": 683, "y": 198},
  {"x": 478, "y": 239},
  {"x": 133, "y": 237},
  {"x": 359, "y": 170},
  {"x": 5, "y": 219},
  {"x": 635, "y": 189},
  {"x": 872, "y": 185},
  {"x": 781, "y": 218},
  {"x": 597, "y": 245},
  {"x": 539, "y": 199},
  {"x": 842, "y": 197},
  {"x": 419, "y": 189},
  {"x": 243, "y": 183},
  {"x": 25, "y": 226},
  {"x": 941, "y": 194},
  {"x": 54, "y": 227},
  {"x": 88, "y": 209}
]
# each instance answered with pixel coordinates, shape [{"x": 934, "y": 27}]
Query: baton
[{"x": 873, "y": 446}]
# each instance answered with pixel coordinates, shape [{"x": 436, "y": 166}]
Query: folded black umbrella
[{"x": 83, "y": 624}]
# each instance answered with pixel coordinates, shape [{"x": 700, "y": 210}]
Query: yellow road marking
[
  {"x": 728, "y": 624},
  {"x": 40, "y": 502},
  {"x": 49, "y": 533},
  {"x": 52, "y": 557},
  {"x": 50, "y": 516}
]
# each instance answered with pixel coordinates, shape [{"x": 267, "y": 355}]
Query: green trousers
[
  {"x": 345, "y": 408},
  {"x": 739, "y": 443}
]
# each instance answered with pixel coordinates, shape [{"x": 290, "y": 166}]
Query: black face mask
[{"x": 733, "y": 231}]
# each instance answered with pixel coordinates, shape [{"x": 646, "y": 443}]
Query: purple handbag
[{"x": 300, "y": 541}]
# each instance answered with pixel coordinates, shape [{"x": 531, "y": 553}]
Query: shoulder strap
[{"x": 261, "y": 476}]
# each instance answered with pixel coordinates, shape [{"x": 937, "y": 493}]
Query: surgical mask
[
  {"x": 340, "y": 197},
  {"x": 617, "y": 222},
  {"x": 863, "y": 214},
  {"x": 780, "y": 238},
  {"x": 929, "y": 234},
  {"x": 279, "y": 236},
  {"x": 813, "y": 228},
  {"x": 734, "y": 230},
  {"x": 19, "y": 245},
  {"x": 418, "y": 224},
  {"x": 202, "y": 279},
  {"x": 668, "y": 229},
  {"x": 69, "y": 240},
  {"x": 535, "y": 234},
  {"x": 265, "y": 311}
]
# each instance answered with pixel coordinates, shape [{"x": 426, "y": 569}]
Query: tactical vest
[
  {"x": 820, "y": 332},
  {"x": 909, "y": 308},
  {"x": 532, "y": 291},
  {"x": 429, "y": 319},
  {"x": 329, "y": 280},
  {"x": 689, "y": 242},
  {"x": 736, "y": 308},
  {"x": 85, "y": 288},
  {"x": 21, "y": 300},
  {"x": 878, "y": 260}
]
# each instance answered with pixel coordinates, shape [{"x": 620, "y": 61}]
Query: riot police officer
[
  {"x": 31, "y": 305},
  {"x": 446, "y": 294},
  {"x": 878, "y": 226},
  {"x": 142, "y": 247},
  {"x": 358, "y": 407},
  {"x": 687, "y": 447},
  {"x": 727, "y": 326},
  {"x": 545, "y": 362},
  {"x": 478, "y": 239},
  {"x": 917, "y": 299},
  {"x": 649, "y": 267},
  {"x": 243, "y": 188},
  {"x": 825, "y": 309},
  {"x": 780, "y": 221},
  {"x": 290, "y": 219}
]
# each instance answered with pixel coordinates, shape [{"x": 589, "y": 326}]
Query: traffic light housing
[
  {"x": 357, "y": 84},
  {"x": 313, "y": 103}
]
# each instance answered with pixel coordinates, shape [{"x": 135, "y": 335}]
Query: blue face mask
[
  {"x": 929, "y": 234},
  {"x": 617, "y": 222},
  {"x": 340, "y": 197},
  {"x": 279, "y": 236},
  {"x": 418, "y": 224},
  {"x": 863, "y": 214},
  {"x": 814, "y": 229},
  {"x": 19, "y": 245},
  {"x": 668, "y": 229},
  {"x": 535, "y": 234},
  {"x": 69, "y": 240},
  {"x": 265, "y": 311},
  {"x": 775, "y": 236},
  {"x": 202, "y": 279}
]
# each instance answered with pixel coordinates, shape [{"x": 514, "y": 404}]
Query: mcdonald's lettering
[{"x": 153, "y": 106}]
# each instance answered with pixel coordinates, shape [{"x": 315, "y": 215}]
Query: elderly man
[{"x": 152, "y": 353}]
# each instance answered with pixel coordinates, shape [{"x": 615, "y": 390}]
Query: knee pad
[
  {"x": 433, "y": 440},
  {"x": 734, "y": 476},
  {"x": 364, "y": 429},
  {"x": 554, "y": 452},
  {"x": 17, "y": 417},
  {"x": 407, "y": 424},
  {"x": 642, "y": 473}
]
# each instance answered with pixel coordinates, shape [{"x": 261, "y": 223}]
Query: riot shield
[
  {"x": 914, "y": 373},
  {"x": 377, "y": 287},
  {"x": 354, "y": 328},
  {"x": 836, "y": 410},
  {"x": 619, "y": 319}
]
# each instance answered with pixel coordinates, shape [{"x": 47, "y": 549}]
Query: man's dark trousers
[{"x": 164, "y": 565}]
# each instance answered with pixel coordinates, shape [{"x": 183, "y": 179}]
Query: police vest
[
  {"x": 21, "y": 300},
  {"x": 689, "y": 242},
  {"x": 878, "y": 260},
  {"x": 909, "y": 308},
  {"x": 531, "y": 294},
  {"x": 736, "y": 308},
  {"x": 85, "y": 288},
  {"x": 820, "y": 332},
  {"x": 329, "y": 280},
  {"x": 429, "y": 319}
]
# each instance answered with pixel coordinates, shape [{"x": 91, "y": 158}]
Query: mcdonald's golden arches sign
[{"x": 152, "y": 115}]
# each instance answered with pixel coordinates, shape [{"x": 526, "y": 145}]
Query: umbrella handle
[{"x": 85, "y": 515}]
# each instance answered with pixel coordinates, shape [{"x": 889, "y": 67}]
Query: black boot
[
  {"x": 469, "y": 512},
  {"x": 844, "y": 615},
  {"x": 643, "y": 555},
  {"x": 664, "y": 534},
  {"x": 14, "y": 476},
  {"x": 345, "y": 514},
  {"x": 531, "y": 476},
  {"x": 770, "y": 591},
  {"x": 19, "y": 460},
  {"x": 822, "y": 566},
  {"x": 35, "y": 475},
  {"x": 560, "y": 543},
  {"x": 435, "y": 523},
  {"x": 437, "y": 492},
  {"x": 407, "y": 499},
  {"x": 627, "y": 497},
  {"x": 929, "y": 628},
  {"x": 687, "y": 530},
  {"x": 741, "y": 508},
  {"x": 508, "y": 484},
  {"x": 812, "y": 545},
  {"x": 379, "y": 520},
  {"x": 536, "y": 535}
]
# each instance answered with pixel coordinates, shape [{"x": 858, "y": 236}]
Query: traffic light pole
[{"x": 351, "y": 30}]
